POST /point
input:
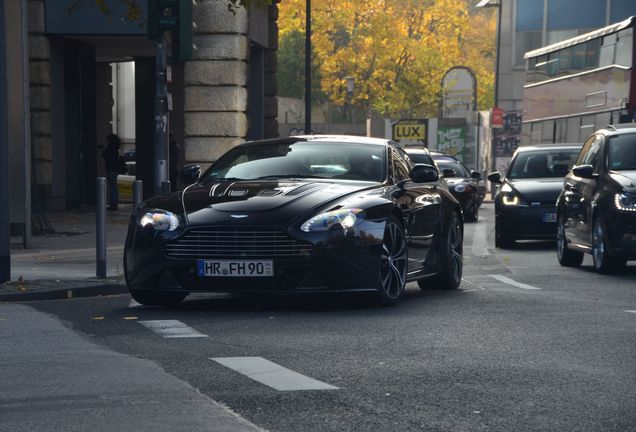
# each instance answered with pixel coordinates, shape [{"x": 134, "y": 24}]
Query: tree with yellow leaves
[{"x": 397, "y": 50}]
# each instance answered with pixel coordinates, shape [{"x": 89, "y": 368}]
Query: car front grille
[{"x": 214, "y": 242}]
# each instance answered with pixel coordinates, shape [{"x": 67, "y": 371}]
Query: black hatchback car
[
  {"x": 525, "y": 203},
  {"x": 596, "y": 210}
]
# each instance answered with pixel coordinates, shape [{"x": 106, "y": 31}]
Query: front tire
[
  {"x": 393, "y": 263},
  {"x": 450, "y": 276},
  {"x": 604, "y": 261},
  {"x": 501, "y": 241},
  {"x": 567, "y": 257},
  {"x": 157, "y": 298}
]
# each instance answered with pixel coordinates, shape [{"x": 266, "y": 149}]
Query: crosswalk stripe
[
  {"x": 172, "y": 329},
  {"x": 480, "y": 242},
  {"x": 271, "y": 374},
  {"x": 630, "y": 311},
  {"x": 509, "y": 281},
  {"x": 133, "y": 304}
]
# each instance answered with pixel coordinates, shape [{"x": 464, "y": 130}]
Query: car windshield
[
  {"x": 420, "y": 158},
  {"x": 622, "y": 152},
  {"x": 460, "y": 170},
  {"x": 302, "y": 159},
  {"x": 543, "y": 163}
]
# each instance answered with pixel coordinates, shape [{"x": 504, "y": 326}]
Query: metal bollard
[
  {"x": 137, "y": 194},
  {"x": 100, "y": 213},
  {"x": 165, "y": 187}
]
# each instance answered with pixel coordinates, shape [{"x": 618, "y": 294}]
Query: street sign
[
  {"x": 410, "y": 131},
  {"x": 497, "y": 119}
]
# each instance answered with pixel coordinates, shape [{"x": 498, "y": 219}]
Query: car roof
[
  {"x": 618, "y": 129},
  {"x": 558, "y": 146},
  {"x": 327, "y": 138},
  {"x": 416, "y": 150}
]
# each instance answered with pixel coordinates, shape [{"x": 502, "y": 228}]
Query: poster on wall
[{"x": 452, "y": 141}]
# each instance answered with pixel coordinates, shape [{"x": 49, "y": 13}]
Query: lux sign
[{"x": 414, "y": 131}]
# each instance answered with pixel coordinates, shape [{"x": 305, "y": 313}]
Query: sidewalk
[{"x": 63, "y": 264}]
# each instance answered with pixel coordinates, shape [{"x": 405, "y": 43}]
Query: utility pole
[
  {"x": 161, "y": 115},
  {"x": 5, "y": 239},
  {"x": 308, "y": 68}
]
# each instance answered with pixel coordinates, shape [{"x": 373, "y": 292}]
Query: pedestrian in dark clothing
[
  {"x": 113, "y": 168},
  {"x": 174, "y": 150}
]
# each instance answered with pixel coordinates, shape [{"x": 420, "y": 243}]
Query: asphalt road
[{"x": 523, "y": 345}]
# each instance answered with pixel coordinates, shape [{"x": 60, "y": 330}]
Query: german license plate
[
  {"x": 549, "y": 217},
  {"x": 235, "y": 268}
]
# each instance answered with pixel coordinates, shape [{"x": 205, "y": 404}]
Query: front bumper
[
  {"x": 621, "y": 233},
  {"x": 338, "y": 262},
  {"x": 526, "y": 222}
]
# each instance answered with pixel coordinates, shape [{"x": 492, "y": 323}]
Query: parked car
[
  {"x": 298, "y": 214},
  {"x": 596, "y": 211},
  {"x": 421, "y": 155},
  {"x": 525, "y": 202},
  {"x": 464, "y": 184}
]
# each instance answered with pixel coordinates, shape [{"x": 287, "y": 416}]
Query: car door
[
  {"x": 420, "y": 206},
  {"x": 579, "y": 192}
]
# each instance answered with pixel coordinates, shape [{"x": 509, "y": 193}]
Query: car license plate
[
  {"x": 235, "y": 268},
  {"x": 549, "y": 217}
]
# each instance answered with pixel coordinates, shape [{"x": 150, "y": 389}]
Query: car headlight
[
  {"x": 509, "y": 197},
  {"x": 161, "y": 220},
  {"x": 463, "y": 187},
  {"x": 625, "y": 202},
  {"x": 346, "y": 218}
]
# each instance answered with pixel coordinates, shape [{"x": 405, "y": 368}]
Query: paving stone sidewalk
[{"x": 62, "y": 264}]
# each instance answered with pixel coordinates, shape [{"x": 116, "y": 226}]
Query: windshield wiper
[
  {"x": 222, "y": 179},
  {"x": 275, "y": 176}
]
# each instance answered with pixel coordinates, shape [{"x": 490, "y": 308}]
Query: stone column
[
  {"x": 215, "y": 99},
  {"x": 40, "y": 97}
]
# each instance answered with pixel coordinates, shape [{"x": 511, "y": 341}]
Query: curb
[{"x": 65, "y": 293}]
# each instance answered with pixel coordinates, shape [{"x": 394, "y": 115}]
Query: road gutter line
[
  {"x": 509, "y": 281},
  {"x": 271, "y": 374}
]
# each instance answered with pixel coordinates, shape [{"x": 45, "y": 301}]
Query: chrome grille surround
[{"x": 239, "y": 243}]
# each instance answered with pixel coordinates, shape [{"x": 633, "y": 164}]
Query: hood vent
[{"x": 270, "y": 192}]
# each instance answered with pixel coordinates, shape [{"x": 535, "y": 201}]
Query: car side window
[
  {"x": 585, "y": 150},
  {"x": 595, "y": 156},
  {"x": 401, "y": 166}
]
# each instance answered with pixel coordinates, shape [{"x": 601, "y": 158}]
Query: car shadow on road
[
  {"x": 303, "y": 302},
  {"x": 530, "y": 245}
]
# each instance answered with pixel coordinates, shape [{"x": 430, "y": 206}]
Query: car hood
[
  {"x": 626, "y": 179},
  {"x": 538, "y": 190},
  {"x": 263, "y": 202}
]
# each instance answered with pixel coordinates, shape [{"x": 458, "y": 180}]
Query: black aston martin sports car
[{"x": 298, "y": 214}]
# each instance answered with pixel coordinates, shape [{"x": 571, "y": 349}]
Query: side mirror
[
  {"x": 475, "y": 174},
  {"x": 448, "y": 172},
  {"x": 190, "y": 174},
  {"x": 585, "y": 171},
  {"x": 424, "y": 173},
  {"x": 494, "y": 177}
]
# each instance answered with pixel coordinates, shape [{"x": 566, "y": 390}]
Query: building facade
[{"x": 68, "y": 65}]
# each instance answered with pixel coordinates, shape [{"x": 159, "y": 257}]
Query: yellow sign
[{"x": 411, "y": 130}]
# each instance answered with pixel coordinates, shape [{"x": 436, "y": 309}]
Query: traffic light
[{"x": 174, "y": 16}]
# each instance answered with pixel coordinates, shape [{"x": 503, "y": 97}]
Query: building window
[
  {"x": 622, "y": 9},
  {"x": 528, "y": 26}
]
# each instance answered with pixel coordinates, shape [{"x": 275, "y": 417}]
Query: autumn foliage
[{"x": 397, "y": 50}]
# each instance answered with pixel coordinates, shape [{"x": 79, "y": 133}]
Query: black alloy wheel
[
  {"x": 567, "y": 257},
  {"x": 604, "y": 261},
  {"x": 450, "y": 276},
  {"x": 393, "y": 263}
]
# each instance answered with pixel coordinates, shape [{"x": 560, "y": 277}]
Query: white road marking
[
  {"x": 271, "y": 374},
  {"x": 630, "y": 311},
  {"x": 509, "y": 281},
  {"x": 133, "y": 304},
  {"x": 480, "y": 242},
  {"x": 171, "y": 329}
]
